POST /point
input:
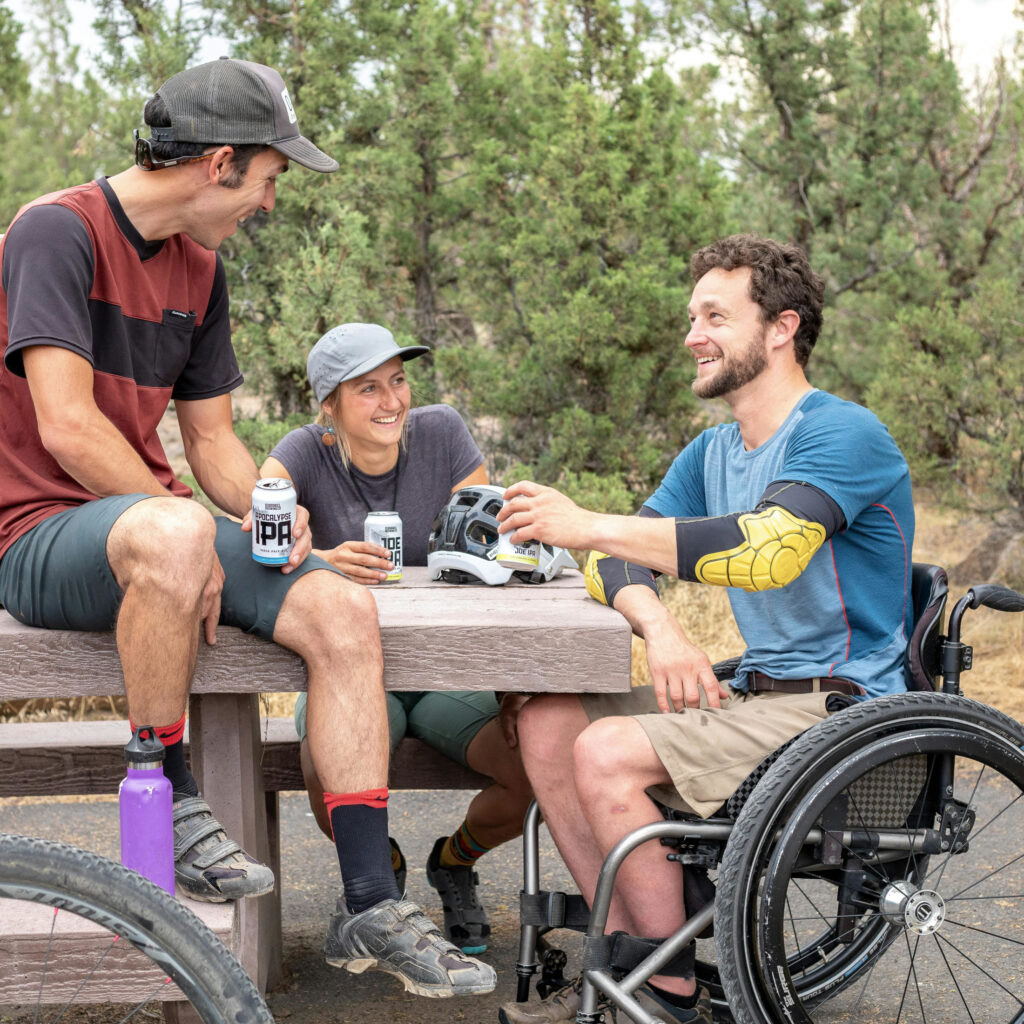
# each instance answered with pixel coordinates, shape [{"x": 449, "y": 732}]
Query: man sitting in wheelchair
[{"x": 803, "y": 508}]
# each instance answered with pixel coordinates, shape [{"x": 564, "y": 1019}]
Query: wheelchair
[{"x": 870, "y": 870}]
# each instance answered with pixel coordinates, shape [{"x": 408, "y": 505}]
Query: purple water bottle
[{"x": 147, "y": 828}]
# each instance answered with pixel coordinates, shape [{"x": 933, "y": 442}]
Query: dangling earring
[{"x": 328, "y": 437}]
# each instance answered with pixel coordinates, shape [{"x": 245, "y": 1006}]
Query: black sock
[
  {"x": 364, "y": 853},
  {"x": 182, "y": 782},
  {"x": 673, "y": 999}
]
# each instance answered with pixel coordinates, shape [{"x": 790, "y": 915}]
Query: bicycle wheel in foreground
[{"x": 76, "y": 928}]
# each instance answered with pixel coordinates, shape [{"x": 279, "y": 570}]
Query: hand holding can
[
  {"x": 385, "y": 529},
  {"x": 273, "y": 521},
  {"x": 517, "y": 556}
]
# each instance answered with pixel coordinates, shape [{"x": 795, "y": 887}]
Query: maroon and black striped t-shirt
[{"x": 151, "y": 318}]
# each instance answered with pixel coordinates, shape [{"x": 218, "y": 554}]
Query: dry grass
[{"x": 998, "y": 639}]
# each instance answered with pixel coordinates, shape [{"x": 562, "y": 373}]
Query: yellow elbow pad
[
  {"x": 592, "y": 577},
  {"x": 776, "y": 549}
]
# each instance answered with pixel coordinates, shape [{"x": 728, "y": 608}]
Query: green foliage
[
  {"x": 965, "y": 425},
  {"x": 260, "y": 435},
  {"x": 855, "y": 139},
  {"x": 13, "y": 88},
  {"x": 52, "y": 135},
  {"x": 522, "y": 184},
  {"x": 581, "y": 276}
]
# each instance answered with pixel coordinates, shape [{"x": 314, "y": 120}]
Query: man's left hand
[{"x": 209, "y": 608}]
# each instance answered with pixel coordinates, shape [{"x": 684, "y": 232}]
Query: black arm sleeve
[{"x": 763, "y": 549}]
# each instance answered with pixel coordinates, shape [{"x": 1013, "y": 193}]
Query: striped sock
[
  {"x": 462, "y": 848},
  {"x": 359, "y": 822}
]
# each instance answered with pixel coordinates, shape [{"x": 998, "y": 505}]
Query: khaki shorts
[{"x": 708, "y": 752}]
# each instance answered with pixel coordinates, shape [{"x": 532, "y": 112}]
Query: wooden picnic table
[{"x": 436, "y": 636}]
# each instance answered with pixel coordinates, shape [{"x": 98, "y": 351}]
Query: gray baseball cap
[
  {"x": 229, "y": 102},
  {"x": 350, "y": 350}
]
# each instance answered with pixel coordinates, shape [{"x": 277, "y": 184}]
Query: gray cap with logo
[
  {"x": 349, "y": 351},
  {"x": 231, "y": 101}
]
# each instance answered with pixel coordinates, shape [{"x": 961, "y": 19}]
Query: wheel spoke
[
  {"x": 825, "y": 924},
  {"x": 995, "y": 981},
  {"x": 984, "y": 931},
  {"x": 952, "y": 975},
  {"x": 142, "y": 1004},
  {"x": 62, "y": 959},
  {"x": 910, "y": 974},
  {"x": 85, "y": 980},
  {"x": 978, "y": 881}
]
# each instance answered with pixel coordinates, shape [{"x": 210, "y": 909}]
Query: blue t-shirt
[{"x": 849, "y": 613}]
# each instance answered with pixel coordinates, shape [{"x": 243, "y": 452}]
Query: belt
[{"x": 759, "y": 683}]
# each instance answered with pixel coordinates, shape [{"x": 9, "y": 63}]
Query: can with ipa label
[
  {"x": 273, "y": 521},
  {"x": 385, "y": 529},
  {"x": 517, "y": 556}
]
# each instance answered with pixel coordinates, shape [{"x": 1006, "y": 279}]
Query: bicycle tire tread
[{"x": 57, "y": 871}]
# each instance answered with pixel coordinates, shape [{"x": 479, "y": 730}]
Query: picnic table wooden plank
[
  {"x": 435, "y": 636},
  {"x": 77, "y": 758}
]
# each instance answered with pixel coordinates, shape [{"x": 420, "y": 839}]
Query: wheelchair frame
[{"x": 794, "y": 793}]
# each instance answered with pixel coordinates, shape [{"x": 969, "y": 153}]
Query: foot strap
[
  {"x": 186, "y": 837},
  {"x": 620, "y": 953}
]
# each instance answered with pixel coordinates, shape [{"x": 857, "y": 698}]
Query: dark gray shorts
[{"x": 57, "y": 574}]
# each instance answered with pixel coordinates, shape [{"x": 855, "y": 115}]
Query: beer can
[
  {"x": 273, "y": 521},
  {"x": 385, "y": 529},
  {"x": 517, "y": 556}
]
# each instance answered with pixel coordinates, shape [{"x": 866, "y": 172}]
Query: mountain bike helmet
[
  {"x": 552, "y": 561},
  {"x": 464, "y": 538}
]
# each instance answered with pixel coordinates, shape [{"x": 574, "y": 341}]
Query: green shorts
[
  {"x": 446, "y": 720},
  {"x": 57, "y": 574}
]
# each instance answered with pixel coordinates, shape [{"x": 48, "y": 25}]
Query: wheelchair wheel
[
  {"x": 101, "y": 925},
  {"x": 877, "y": 874}
]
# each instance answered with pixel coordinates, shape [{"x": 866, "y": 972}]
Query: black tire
[
  {"x": 128, "y": 907},
  {"x": 779, "y": 952}
]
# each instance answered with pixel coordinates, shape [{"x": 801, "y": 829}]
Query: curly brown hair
[{"x": 780, "y": 278}]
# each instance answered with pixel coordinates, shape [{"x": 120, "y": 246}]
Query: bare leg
[
  {"x": 314, "y": 789},
  {"x": 332, "y": 624},
  {"x": 614, "y": 763},
  {"x": 548, "y": 729},
  {"x": 161, "y": 553},
  {"x": 496, "y": 814}
]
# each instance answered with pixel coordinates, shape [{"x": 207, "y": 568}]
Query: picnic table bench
[{"x": 435, "y": 636}]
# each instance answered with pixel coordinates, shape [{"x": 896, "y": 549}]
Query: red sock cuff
[
  {"x": 368, "y": 797},
  {"x": 167, "y": 734}
]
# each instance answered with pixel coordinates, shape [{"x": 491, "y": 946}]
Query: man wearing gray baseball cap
[{"x": 113, "y": 303}]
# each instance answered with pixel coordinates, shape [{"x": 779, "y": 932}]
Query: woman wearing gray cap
[{"x": 369, "y": 452}]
